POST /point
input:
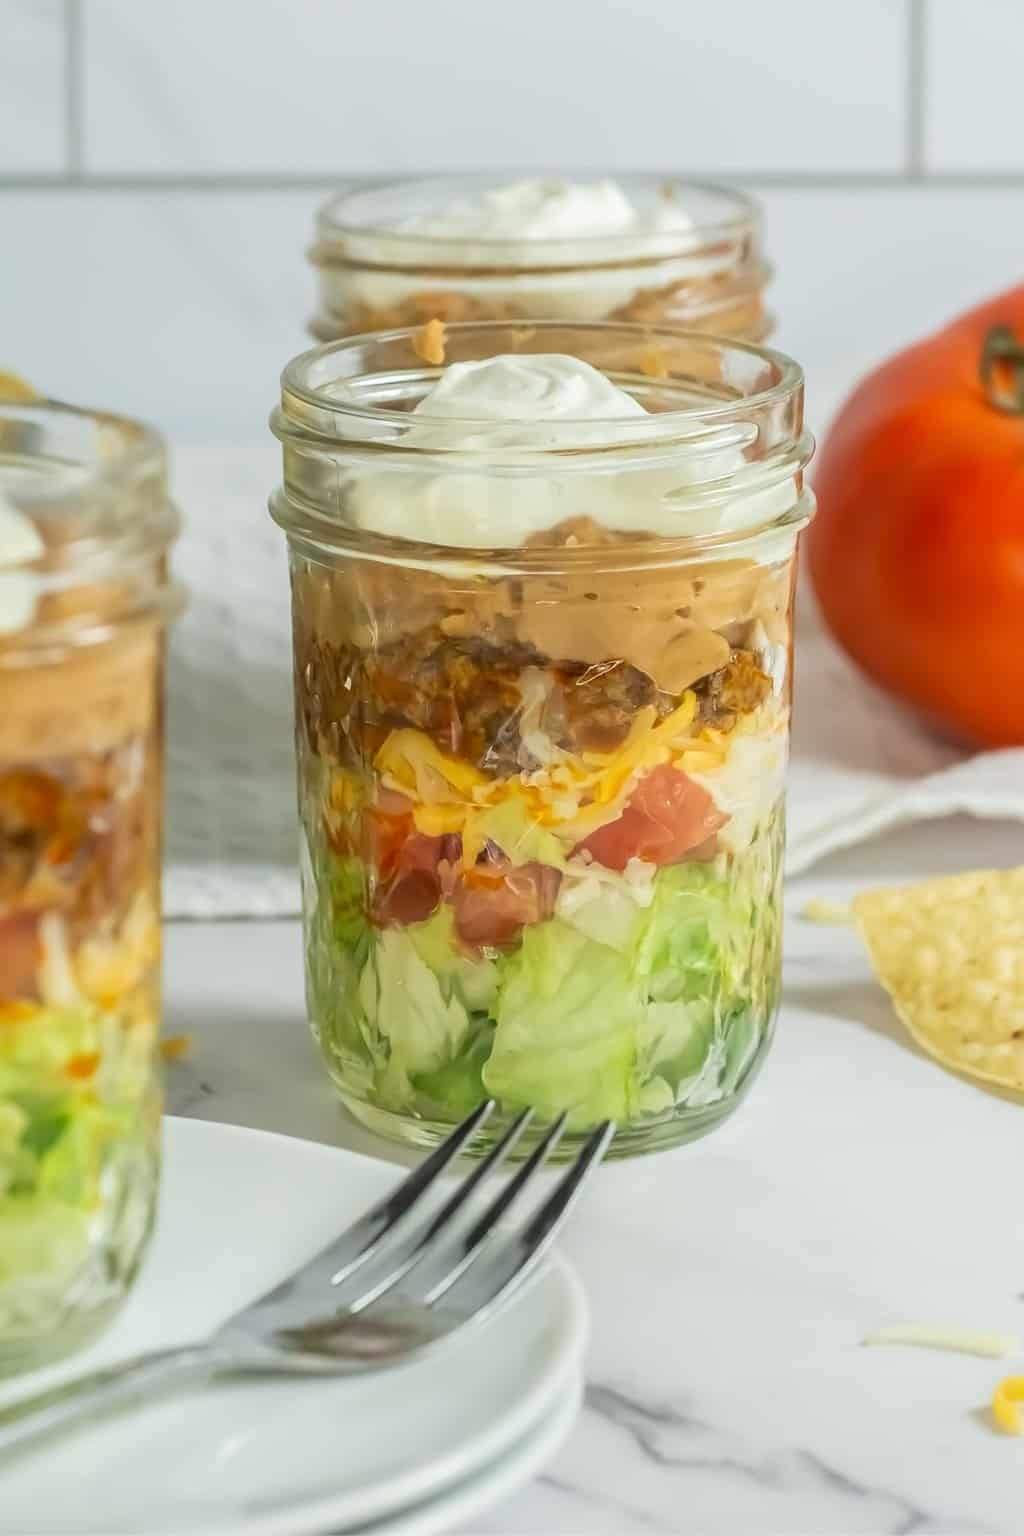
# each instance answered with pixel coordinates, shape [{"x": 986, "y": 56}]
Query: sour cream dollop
[
  {"x": 553, "y": 209},
  {"x": 20, "y": 544},
  {"x": 481, "y": 505},
  {"x": 599, "y": 249}
]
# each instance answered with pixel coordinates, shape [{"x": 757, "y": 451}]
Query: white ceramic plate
[
  {"x": 450, "y": 1510},
  {"x": 239, "y": 1211}
]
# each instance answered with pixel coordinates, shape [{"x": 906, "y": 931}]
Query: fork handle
[{"x": 117, "y": 1386}]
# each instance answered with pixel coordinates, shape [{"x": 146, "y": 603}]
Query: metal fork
[{"x": 426, "y": 1279}]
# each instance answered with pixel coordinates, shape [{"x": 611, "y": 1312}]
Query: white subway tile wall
[
  {"x": 973, "y": 67},
  {"x": 160, "y": 165},
  {"x": 412, "y": 85},
  {"x": 33, "y": 133}
]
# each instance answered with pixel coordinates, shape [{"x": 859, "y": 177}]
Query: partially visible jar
[
  {"x": 542, "y": 599},
  {"x": 85, "y": 527},
  {"x": 465, "y": 248}
]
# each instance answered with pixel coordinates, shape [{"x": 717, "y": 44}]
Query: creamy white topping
[
  {"x": 483, "y": 505},
  {"x": 20, "y": 544},
  {"x": 964, "y": 1341},
  {"x": 574, "y": 219},
  {"x": 540, "y": 390},
  {"x": 548, "y": 210}
]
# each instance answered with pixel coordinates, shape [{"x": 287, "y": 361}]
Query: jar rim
[
  {"x": 331, "y": 436},
  {"x": 337, "y": 217},
  {"x": 301, "y": 388},
  {"x": 139, "y": 445},
  {"x": 94, "y": 486}
]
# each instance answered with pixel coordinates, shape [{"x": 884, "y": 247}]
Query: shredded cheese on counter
[
  {"x": 1006, "y": 1401},
  {"x": 964, "y": 1341}
]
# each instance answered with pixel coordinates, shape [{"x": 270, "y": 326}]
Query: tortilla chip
[
  {"x": 950, "y": 953},
  {"x": 14, "y": 387}
]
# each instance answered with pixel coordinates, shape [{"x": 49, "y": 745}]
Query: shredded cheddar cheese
[
  {"x": 1006, "y": 1401},
  {"x": 429, "y": 343},
  {"x": 174, "y": 1047},
  {"x": 571, "y": 796},
  {"x": 818, "y": 910},
  {"x": 410, "y": 761},
  {"x": 83, "y": 1066},
  {"x": 964, "y": 1341}
]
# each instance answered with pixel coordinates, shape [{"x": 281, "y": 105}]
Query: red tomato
[
  {"x": 494, "y": 901},
  {"x": 917, "y": 551},
  {"x": 412, "y": 876},
  {"x": 21, "y": 955},
  {"x": 406, "y": 898},
  {"x": 667, "y": 816},
  {"x": 385, "y": 834}
]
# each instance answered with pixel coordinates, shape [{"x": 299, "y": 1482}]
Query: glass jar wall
[
  {"x": 85, "y": 526},
  {"x": 641, "y": 249},
  {"x": 543, "y": 677}
]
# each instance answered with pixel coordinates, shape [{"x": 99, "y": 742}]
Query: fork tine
[
  {"x": 471, "y": 1244},
  {"x": 515, "y": 1260},
  {"x": 445, "y": 1217},
  {"x": 360, "y": 1242}
]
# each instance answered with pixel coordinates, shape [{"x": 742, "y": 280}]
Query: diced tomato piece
[
  {"x": 668, "y": 816},
  {"x": 406, "y": 898},
  {"x": 415, "y": 876},
  {"x": 21, "y": 955},
  {"x": 495, "y": 900},
  {"x": 83, "y": 1066},
  {"x": 386, "y": 834}
]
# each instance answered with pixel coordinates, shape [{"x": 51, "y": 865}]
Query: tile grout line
[
  {"x": 73, "y": 93},
  {"x": 916, "y": 88},
  {"x": 785, "y": 181}
]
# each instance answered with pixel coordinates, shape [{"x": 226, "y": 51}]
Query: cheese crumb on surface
[
  {"x": 1006, "y": 1401},
  {"x": 174, "y": 1047},
  {"x": 817, "y": 911},
  {"x": 964, "y": 1341}
]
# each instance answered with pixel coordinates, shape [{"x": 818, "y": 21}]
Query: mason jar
[
  {"x": 654, "y": 250},
  {"x": 542, "y": 596},
  {"x": 85, "y": 527}
]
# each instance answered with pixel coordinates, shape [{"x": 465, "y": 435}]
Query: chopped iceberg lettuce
[
  {"x": 473, "y": 981},
  {"x": 566, "y": 1035},
  {"x": 337, "y": 944},
  {"x": 607, "y": 906},
  {"x": 346, "y": 899},
  {"x": 458, "y": 1087},
  {"x": 679, "y": 951},
  {"x": 510, "y": 826},
  {"x": 747, "y": 786},
  {"x": 72, "y": 1093},
  {"x": 644, "y": 992},
  {"x": 421, "y": 1028}
]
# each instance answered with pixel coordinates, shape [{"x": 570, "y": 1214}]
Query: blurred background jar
[
  {"x": 85, "y": 527},
  {"x": 543, "y": 673},
  {"x": 641, "y": 249}
]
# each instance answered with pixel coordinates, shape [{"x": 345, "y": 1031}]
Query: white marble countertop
[{"x": 732, "y": 1281}]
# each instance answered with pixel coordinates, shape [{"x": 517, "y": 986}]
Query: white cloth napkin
[
  {"x": 860, "y": 765},
  {"x": 231, "y": 821}
]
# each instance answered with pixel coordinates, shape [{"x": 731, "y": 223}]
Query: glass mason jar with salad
[
  {"x": 542, "y": 580},
  {"x": 643, "y": 249},
  {"x": 85, "y": 526}
]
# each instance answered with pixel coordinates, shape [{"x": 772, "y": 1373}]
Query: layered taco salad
[
  {"x": 542, "y": 810},
  {"x": 79, "y": 947},
  {"x": 477, "y": 249}
]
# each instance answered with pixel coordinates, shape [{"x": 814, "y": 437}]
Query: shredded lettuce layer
[
  {"x": 74, "y": 1089},
  {"x": 645, "y": 992}
]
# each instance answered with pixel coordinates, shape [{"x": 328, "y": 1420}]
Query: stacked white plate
[{"x": 407, "y": 1452}]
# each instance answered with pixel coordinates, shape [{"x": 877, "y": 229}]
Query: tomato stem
[{"x": 1002, "y": 370}]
